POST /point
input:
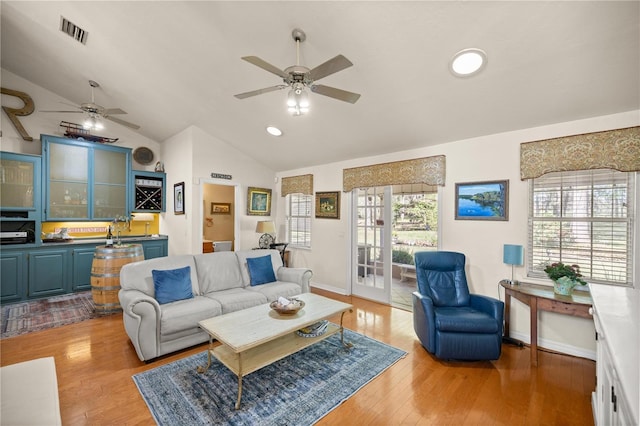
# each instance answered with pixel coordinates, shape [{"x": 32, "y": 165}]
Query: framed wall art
[
  {"x": 220, "y": 208},
  {"x": 178, "y": 198},
  {"x": 328, "y": 205},
  {"x": 258, "y": 201},
  {"x": 482, "y": 200}
]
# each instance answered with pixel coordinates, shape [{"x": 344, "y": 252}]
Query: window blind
[
  {"x": 583, "y": 218},
  {"x": 299, "y": 220}
]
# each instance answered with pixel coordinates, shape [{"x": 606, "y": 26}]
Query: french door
[{"x": 371, "y": 243}]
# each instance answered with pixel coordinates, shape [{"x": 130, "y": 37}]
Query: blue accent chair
[{"x": 450, "y": 322}]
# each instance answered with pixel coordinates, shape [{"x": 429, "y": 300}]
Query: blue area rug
[{"x": 299, "y": 389}]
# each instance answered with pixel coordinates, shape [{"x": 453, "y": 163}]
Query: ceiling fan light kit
[{"x": 300, "y": 79}]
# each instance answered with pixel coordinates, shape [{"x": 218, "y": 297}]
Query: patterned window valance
[
  {"x": 614, "y": 149},
  {"x": 302, "y": 184},
  {"x": 428, "y": 170}
]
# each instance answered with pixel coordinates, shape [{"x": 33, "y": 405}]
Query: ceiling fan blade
[
  {"x": 330, "y": 67},
  {"x": 265, "y": 66},
  {"x": 260, "y": 91},
  {"x": 332, "y": 92},
  {"x": 111, "y": 111},
  {"x": 124, "y": 123}
]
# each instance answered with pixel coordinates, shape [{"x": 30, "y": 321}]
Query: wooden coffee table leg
[
  {"x": 202, "y": 369},
  {"x": 239, "y": 381},
  {"x": 348, "y": 344}
]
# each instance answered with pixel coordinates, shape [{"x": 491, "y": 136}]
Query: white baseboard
[
  {"x": 556, "y": 346},
  {"x": 340, "y": 291}
]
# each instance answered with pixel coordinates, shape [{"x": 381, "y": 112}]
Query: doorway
[{"x": 218, "y": 217}]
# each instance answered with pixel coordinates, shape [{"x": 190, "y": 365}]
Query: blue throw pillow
[
  {"x": 172, "y": 285},
  {"x": 260, "y": 270}
]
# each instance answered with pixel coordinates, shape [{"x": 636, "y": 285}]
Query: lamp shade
[
  {"x": 513, "y": 254},
  {"x": 266, "y": 227}
]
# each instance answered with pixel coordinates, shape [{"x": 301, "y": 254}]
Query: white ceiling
[{"x": 175, "y": 64}]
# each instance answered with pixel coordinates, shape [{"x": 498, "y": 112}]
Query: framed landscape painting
[
  {"x": 258, "y": 201},
  {"x": 482, "y": 200},
  {"x": 328, "y": 205},
  {"x": 220, "y": 208}
]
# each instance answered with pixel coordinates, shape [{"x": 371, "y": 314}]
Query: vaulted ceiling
[{"x": 173, "y": 64}]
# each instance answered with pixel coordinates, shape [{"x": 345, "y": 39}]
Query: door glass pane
[
  {"x": 109, "y": 201},
  {"x": 68, "y": 199},
  {"x": 110, "y": 167},
  {"x": 16, "y": 183},
  {"x": 68, "y": 162},
  {"x": 370, "y": 208}
]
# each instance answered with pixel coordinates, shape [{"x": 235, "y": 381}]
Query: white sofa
[{"x": 220, "y": 284}]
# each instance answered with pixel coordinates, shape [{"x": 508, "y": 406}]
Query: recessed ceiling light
[
  {"x": 274, "y": 131},
  {"x": 468, "y": 62}
]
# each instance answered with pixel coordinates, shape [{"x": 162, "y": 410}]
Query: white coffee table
[{"x": 256, "y": 337}]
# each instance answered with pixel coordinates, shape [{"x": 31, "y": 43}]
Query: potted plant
[{"x": 564, "y": 277}]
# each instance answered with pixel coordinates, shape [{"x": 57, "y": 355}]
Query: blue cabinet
[
  {"x": 13, "y": 275},
  {"x": 53, "y": 269},
  {"x": 48, "y": 272},
  {"x": 148, "y": 193},
  {"x": 81, "y": 261},
  {"x": 20, "y": 189},
  {"x": 153, "y": 249},
  {"x": 84, "y": 180}
]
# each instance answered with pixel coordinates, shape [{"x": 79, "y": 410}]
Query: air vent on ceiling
[{"x": 73, "y": 30}]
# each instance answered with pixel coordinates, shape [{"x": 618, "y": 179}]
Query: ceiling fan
[
  {"x": 95, "y": 111},
  {"x": 298, "y": 78}
]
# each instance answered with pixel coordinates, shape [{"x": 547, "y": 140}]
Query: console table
[{"x": 540, "y": 297}]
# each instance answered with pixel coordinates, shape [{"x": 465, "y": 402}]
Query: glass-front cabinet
[
  {"x": 18, "y": 181},
  {"x": 84, "y": 180}
]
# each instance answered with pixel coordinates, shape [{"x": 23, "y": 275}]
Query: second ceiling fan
[{"x": 298, "y": 78}]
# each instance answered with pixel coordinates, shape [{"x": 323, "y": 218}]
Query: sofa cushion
[
  {"x": 172, "y": 284},
  {"x": 274, "y": 290},
  {"x": 137, "y": 275},
  {"x": 276, "y": 261},
  {"x": 218, "y": 271},
  {"x": 185, "y": 314},
  {"x": 260, "y": 270},
  {"x": 236, "y": 299}
]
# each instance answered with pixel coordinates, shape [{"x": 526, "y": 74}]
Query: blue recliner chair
[{"x": 450, "y": 322}]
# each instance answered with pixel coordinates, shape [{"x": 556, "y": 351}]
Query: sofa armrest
[
  {"x": 300, "y": 276},
  {"x": 141, "y": 317}
]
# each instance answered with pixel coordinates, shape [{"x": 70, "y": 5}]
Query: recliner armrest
[
  {"x": 488, "y": 305},
  {"x": 424, "y": 322}
]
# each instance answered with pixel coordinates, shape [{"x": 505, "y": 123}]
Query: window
[
  {"x": 583, "y": 218},
  {"x": 299, "y": 220}
]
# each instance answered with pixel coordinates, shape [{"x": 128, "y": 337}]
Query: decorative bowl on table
[{"x": 283, "y": 308}]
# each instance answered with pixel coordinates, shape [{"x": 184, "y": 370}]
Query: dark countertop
[{"x": 127, "y": 239}]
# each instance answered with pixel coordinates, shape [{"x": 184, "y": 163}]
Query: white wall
[
  {"x": 191, "y": 156},
  {"x": 493, "y": 157},
  {"x": 49, "y": 123}
]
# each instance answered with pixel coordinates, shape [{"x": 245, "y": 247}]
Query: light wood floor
[{"x": 95, "y": 362}]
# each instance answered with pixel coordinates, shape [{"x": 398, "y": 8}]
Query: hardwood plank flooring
[{"x": 95, "y": 362}]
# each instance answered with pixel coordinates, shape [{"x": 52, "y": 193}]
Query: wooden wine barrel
[{"x": 105, "y": 274}]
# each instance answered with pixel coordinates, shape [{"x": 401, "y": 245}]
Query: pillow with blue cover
[
  {"x": 260, "y": 270},
  {"x": 173, "y": 284}
]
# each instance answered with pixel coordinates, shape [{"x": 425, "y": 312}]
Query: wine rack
[{"x": 149, "y": 192}]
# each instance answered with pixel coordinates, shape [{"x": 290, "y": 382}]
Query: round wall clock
[
  {"x": 143, "y": 155},
  {"x": 265, "y": 241}
]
